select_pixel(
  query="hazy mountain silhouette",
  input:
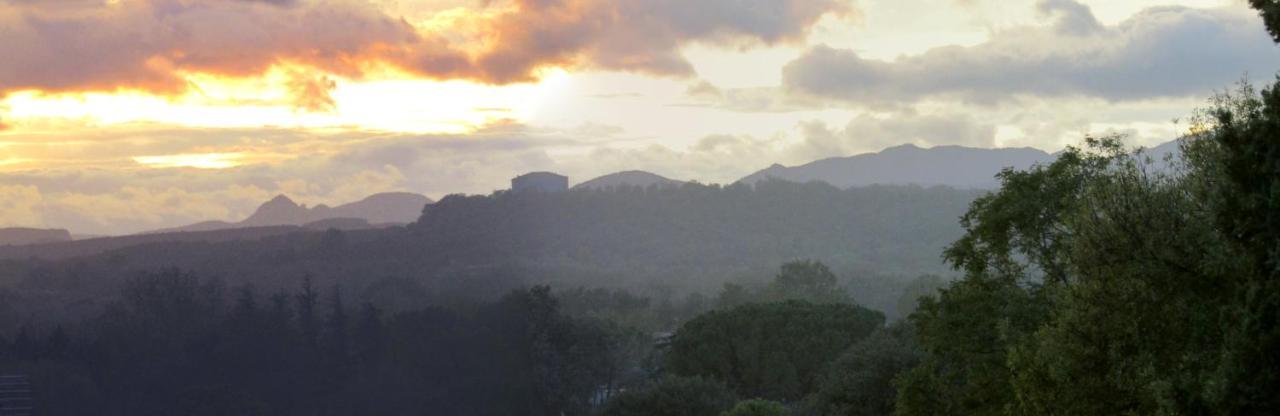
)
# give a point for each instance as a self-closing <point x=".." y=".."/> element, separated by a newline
<point x="280" y="211"/>
<point x="25" y="236"/>
<point x="379" y="209"/>
<point x="627" y="178"/>
<point x="1160" y="152"/>
<point x="955" y="166"/>
<point x="383" y="208"/>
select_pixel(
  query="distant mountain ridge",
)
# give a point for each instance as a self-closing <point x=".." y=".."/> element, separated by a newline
<point x="954" y="166"/>
<point x="27" y="236"/>
<point x="628" y="178"/>
<point x="375" y="210"/>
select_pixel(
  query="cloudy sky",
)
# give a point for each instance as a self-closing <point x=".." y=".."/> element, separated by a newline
<point x="118" y="116"/>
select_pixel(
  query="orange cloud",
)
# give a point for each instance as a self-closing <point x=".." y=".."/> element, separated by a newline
<point x="311" y="92"/>
<point x="149" y="45"/>
<point x="635" y="35"/>
<point x="154" y="45"/>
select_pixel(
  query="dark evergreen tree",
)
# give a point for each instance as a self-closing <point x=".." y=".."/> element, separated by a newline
<point x="306" y="300"/>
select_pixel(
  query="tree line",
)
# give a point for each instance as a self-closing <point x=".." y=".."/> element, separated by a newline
<point x="177" y="344"/>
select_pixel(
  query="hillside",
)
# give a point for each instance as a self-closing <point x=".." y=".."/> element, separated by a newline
<point x="637" y="178"/>
<point x="25" y="236"/>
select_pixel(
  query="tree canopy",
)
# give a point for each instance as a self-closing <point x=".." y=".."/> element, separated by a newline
<point x="773" y="351"/>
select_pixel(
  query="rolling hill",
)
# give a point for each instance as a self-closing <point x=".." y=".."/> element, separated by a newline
<point x="627" y="178"/>
<point x="25" y="236"/>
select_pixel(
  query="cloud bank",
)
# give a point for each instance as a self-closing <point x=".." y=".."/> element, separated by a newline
<point x="154" y="45"/>
<point x="1159" y="52"/>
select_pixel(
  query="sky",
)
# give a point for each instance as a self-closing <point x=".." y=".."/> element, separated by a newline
<point x="119" y="116"/>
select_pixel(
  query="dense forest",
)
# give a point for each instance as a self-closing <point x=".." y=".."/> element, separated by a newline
<point x="1102" y="282"/>
<point x="177" y="344"/>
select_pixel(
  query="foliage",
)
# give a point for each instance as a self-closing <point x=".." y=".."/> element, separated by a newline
<point x="774" y="351"/>
<point x="1270" y="12"/>
<point x="860" y="381"/>
<point x="757" y="407"/>
<point x="1012" y="250"/>
<point x="673" y="396"/>
<point x="1108" y="284"/>
<point x="1242" y="150"/>
<point x="175" y="345"/>
<point x="922" y="286"/>
<point x="805" y="280"/>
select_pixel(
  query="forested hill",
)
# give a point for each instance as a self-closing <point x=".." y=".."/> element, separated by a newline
<point x="690" y="238"/>
<point x="701" y="228"/>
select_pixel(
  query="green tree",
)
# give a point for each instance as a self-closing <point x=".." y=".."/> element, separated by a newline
<point x="1241" y="145"/>
<point x="673" y="396"/>
<point x="924" y="285"/>
<point x="774" y="351"/>
<point x="370" y="336"/>
<point x="1137" y="330"/>
<point x="806" y="280"/>
<point x="757" y="407"/>
<point x="306" y="301"/>
<point x="1013" y="252"/>
<point x="336" y="345"/>
<point x="1270" y="12"/>
<point x="733" y="294"/>
<point x="1245" y="132"/>
<point x="861" y="381"/>
<point x="1102" y="284"/>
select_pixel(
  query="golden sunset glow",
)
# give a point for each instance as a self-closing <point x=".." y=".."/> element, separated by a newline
<point x="396" y="105"/>
<point x="111" y="110"/>
<point x="200" y="161"/>
<point x="10" y="161"/>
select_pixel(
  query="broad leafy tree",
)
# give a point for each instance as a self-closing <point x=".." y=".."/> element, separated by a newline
<point x="775" y="351"/>
<point x="860" y="382"/>
<point x="673" y="396"/>
<point x="757" y="407"/>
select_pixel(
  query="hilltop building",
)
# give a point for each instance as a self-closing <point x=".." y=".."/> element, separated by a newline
<point x="540" y="182"/>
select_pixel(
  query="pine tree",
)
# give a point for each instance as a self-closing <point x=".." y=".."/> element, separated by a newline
<point x="306" y="301"/>
<point x="369" y="342"/>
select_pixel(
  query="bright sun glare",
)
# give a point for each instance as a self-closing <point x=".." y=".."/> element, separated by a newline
<point x="391" y="104"/>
